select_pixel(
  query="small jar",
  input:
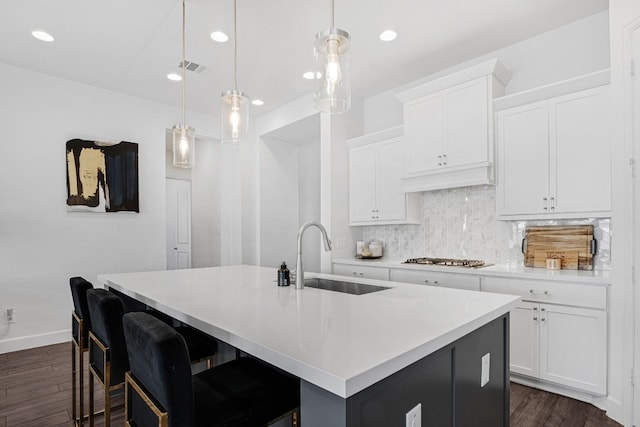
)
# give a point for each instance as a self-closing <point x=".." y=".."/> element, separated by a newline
<point x="376" y="249"/>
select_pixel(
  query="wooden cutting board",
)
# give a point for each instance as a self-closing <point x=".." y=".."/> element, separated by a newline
<point x="565" y="241"/>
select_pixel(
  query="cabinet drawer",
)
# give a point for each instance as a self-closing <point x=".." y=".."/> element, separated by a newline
<point x="368" y="272"/>
<point x="547" y="291"/>
<point x="449" y="280"/>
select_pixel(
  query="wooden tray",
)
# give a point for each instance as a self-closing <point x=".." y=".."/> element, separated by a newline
<point x="565" y="241"/>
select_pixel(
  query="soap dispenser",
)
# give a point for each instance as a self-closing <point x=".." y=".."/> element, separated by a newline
<point x="283" y="275"/>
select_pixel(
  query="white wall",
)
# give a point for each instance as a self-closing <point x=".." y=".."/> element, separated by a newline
<point x="42" y="244"/>
<point x="578" y="48"/>
<point x="309" y="201"/>
<point x="206" y="207"/>
<point x="278" y="203"/>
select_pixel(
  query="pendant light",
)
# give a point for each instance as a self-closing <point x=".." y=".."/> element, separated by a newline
<point x="333" y="86"/>
<point x="184" y="141"/>
<point x="235" y="106"/>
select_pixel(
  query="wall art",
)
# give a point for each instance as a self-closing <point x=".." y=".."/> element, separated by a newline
<point x="102" y="177"/>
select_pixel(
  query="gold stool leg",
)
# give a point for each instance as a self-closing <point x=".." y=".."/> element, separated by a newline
<point x="73" y="382"/>
<point x="107" y="406"/>
<point x="81" y="384"/>
<point x="91" y="415"/>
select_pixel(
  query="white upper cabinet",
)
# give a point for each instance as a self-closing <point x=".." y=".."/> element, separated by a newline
<point x="449" y="128"/>
<point x="523" y="165"/>
<point x="376" y="166"/>
<point x="554" y="155"/>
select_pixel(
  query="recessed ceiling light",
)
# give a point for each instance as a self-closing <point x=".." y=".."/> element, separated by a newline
<point x="219" y="36"/>
<point x="42" y="35"/>
<point x="175" y="77"/>
<point x="257" y="102"/>
<point x="309" y="75"/>
<point x="388" y="35"/>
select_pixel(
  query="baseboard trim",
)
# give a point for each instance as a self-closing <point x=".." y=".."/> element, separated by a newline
<point x="32" y="341"/>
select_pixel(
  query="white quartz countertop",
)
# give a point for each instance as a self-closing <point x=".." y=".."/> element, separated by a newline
<point x="342" y="343"/>
<point x="595" y="277"/>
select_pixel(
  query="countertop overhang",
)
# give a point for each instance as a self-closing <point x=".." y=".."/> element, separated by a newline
<point x="342" y="343"/>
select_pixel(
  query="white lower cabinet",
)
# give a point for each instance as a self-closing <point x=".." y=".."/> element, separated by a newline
<point x="563" y="344"/>
<point x="447" y="280"/>
<point x="365" y="272"/>
<point x="524" y="339"/>
<point x="573" y="347"/>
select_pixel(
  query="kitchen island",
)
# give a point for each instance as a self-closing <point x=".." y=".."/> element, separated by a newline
<point x="362" y="359"/>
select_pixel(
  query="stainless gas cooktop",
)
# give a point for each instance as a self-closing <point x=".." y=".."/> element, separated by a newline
<point x="470" y="263"/>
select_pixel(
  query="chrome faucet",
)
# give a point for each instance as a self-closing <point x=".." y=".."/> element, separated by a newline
<point x="327" y="248"/>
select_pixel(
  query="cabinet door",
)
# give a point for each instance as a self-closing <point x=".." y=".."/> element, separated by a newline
<point x="389" y="172"/>
<point x="580" y="175"/>
<point x="466" y="116"/>
<point x="424" y="130"/>
<point x="524" y="339"/>
<point x="523" y="153"/>
<point x="573" y="347"/>
<point x="362" y="185"/>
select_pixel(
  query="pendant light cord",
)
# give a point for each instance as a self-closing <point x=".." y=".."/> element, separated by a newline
<point x="183" y="61"/>
<point x="235" y="45"/>
<point x="332" y="15"/>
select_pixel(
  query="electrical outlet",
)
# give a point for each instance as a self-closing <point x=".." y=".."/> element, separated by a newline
<point x="486" y="364"/>
<point x="414" y="416"/>
<point x="10" y="315"/>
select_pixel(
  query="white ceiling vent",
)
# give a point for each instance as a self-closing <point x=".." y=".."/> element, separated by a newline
<point x="192" y="66"/>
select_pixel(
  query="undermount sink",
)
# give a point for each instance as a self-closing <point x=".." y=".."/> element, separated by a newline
<point x="342" y="286"/>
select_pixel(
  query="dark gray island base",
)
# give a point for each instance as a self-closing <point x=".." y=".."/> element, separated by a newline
<point x="446" y="383"/>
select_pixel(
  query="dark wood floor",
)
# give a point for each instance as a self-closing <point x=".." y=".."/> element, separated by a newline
<point x="35" y="391"/>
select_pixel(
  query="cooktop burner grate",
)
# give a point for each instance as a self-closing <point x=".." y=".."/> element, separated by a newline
<point x="446" y="262"/>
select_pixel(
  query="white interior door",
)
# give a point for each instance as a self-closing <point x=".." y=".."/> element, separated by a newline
<point x="178" y="224"/>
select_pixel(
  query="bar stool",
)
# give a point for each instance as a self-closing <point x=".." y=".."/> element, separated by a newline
<point x="108" y="360"/>
<point x="160" y="390"/>
<point x="80" y="327"/>
<point x="201" y="347"/>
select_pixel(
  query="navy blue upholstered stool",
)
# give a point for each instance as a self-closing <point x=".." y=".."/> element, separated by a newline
<point x="108" y="360"/>
<point x="160" y="390"/>
<point x="201" y="346"/>
<point x="80" y="327"/>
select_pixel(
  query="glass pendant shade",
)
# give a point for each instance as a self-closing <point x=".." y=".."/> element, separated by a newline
<point x="235" y="116"/>
<point x="184" y="144"/>
<point x="333" y="68"/>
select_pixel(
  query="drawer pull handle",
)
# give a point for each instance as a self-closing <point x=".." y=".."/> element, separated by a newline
<point x="362" y="274"/>
<point x="531" y="291"/>
<point x="426" y="281"/>
<point x="435" y="282"/>
<point x="535" y="308"/>
<point x="535" y="318"/>
<point x="542" y="319"/>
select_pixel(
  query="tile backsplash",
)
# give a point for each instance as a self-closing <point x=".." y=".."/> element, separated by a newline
<point x="461" y="223"/>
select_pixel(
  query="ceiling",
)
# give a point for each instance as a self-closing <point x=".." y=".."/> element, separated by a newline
<point x="131" y="45"/>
